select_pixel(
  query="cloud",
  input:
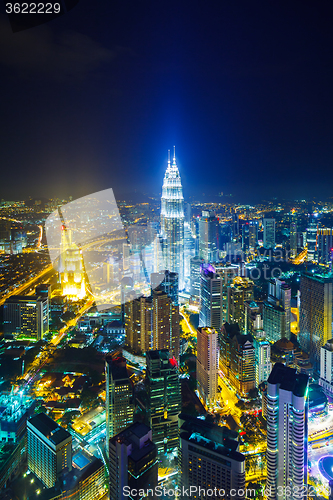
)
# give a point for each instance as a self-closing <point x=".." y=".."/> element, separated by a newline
<point x="41" y="52"/>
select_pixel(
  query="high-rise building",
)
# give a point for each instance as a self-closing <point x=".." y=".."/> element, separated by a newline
<point x="71" y="268"/>
<point x="293" y="240"/>
<point x="119" y="397"/>
<point x="246" y="237"/>
<point x="164" y="399"/>
<point x="172" y="221"/>
<point x="207" y="364"/>
<point x="15" y="410"/>
<point x="276" y="311"/>
<point x="138" y="324"/>
<point x="209" y="231"/>
<point x="253" y="320"/>
<point x="214" y="282"/>
<point x="315" y="320"/>
<point x="209" y="458"/>
<point x="165" y="330"/>
<point x="239" y="292"/>
<point x="253" y="234"/>
<point x="325" y="246"/>
<point x="168" y="282"/>
<point x="49" y="449"/>
<point x="269" y="233"/>
<point x="133" y="461"/>
<point x="195" y="267"/>
<point x="26" y="316"/>
<point x="242" y="373"/>
<point x="311" y="239"/>
<point x="326" y="366"/>
<point x="189" y="252"/>
<point x="262" y="356"/>
<point x="287" y="424"/>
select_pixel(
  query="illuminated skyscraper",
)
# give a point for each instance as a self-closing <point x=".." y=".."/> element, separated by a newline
<point x="293" y="240"/>
<point x="119" y="397"/>
<point x="239" y="292"/>
<point x="311" y="239"/>
<point x="26" y="316"/>
<point x="164" y="399"/>
<point x="71" y="267"/>
<point x="172" y="221"/>
<point x="287" y="428"/>
<point x="269" y="233"/>
<point x="207" y="364"/>
<point x="315" y="319"/>
<point x="276" y="311"/>
<point x="209" y="236"/>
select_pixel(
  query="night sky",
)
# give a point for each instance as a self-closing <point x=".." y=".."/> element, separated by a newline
<point x="94" y="99"/>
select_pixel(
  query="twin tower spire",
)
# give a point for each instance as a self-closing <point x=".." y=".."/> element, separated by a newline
<point x="174" y="156"/>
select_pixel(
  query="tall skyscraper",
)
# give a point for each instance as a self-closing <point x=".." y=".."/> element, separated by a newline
<point x="165" y="330"/>
<point x="133" y="461"/>
<point x="119" y="397"/>
<point x="293" y="240"/>
<point x="168" y="282"/>
<point x="311" y="239"/>
<point x="325" y="246"/>
<point x="315" y="320"/>
<point x="195" y="266"/>
<point x="287" y="425"/>
<point x="138" y="324"/>
<point x="239" y="292"/>
<point x="164" y="399"/>
<point x="262" y="355"/>
<point x="71" y="268"/>
<point x="209" y="232"/>
<point x="326" y="366"/>
<point x="242" y="373"/>
<point x="214" y="282"/>
<point x="209" y="458"/>
<point x="172" y="221"/>
<point x="276" y="310"/>
<point x="26" y="316"/>
<point x="207" y="364"/>
<point x="253" y="234"/>
<point x="49" y="449"/>
<point x="269" y="232"/>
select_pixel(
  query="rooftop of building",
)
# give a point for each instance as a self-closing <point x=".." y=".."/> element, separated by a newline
<point x="14" y="406"/>
<point x="118" y="368"/>
<point x="289" y="379"/>
<point x="321" y="277"/>
<point x="219" y="440"/>
<point x="132" y="435"/>
<point x="49" y="428"/>
<point x="284" y="345"/>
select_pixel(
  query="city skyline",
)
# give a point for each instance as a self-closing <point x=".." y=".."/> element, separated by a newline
<point x="243" y="91"/>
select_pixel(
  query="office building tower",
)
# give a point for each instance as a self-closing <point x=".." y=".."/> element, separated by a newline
<point x="26" y="317"/>
<point x="168" y="282"/>
<point x="214" y="282"/>
<point x="172" y="221"/>
<point x="209" y="230"/>
<point x="269" y="233"/>
<point x="133" y="461"/>
<point x="195" y="266"/>
<point x="239" y="292"/>
<point x="311" y="239"/>
<point x="119" y="397"/>
<point x="315" y="320"/>
<point x="86" y="479"/>
<point x="242" y="373"/>
<point x="326" y="366"/>
<point x="253" y="320"/>
<point x="207" y="364"/>
<point x="164" y="399"/>
<point x="209" y="458"/>
<point x="246" y="237"/>
<point x="227" y="333"/>
<point x="253" y="234"/>
<point x="138" y="324"/>
<point x="293" y="240"/>
<point x="276" y="311"/>
<point x="189" y="252"/>
<point x="49" y="449"/>
<point x="287" y="424"/>
<point x="71" y="269"/>
<point x="325" y="246"/>
<point x="165" y="329"/>
<point x="235" y="225"/>
<point x="262" y="356"/>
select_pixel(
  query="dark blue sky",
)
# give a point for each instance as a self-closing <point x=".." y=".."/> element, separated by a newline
<point x="243" y="88"/>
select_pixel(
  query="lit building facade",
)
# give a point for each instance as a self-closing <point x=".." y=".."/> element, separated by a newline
<point x="276" y="311"/>
<point x="269" y="233"/>
<point x="325" y="246"/>
<point x="26" y="317"/>
<point x="326" y="366"/>
<point x="172" y="221"/>
<point x="239" y="292"/>
<point x="119" y="397"/>
<point x="209" y="458"/>
<point x="49" y="449"/>
<point x="133" y="461"/>
<point x="209" y="231"/>
<point x="164" y="399"/>
<point x="195" y="267"/>
<point x="71" y="268"/>
<point x="165" y="329"/>
<point x="138" y="324"/>
<point x="242" y="373"/>
<point x="207" y="364"/>
<point x="262" y="356"/>
<point x="315" y="314"/>
<point x="287" y="428"/>
<point x="293" y="240"/>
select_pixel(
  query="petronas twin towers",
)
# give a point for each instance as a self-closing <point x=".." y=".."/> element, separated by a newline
<point x="172" y="220"/>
